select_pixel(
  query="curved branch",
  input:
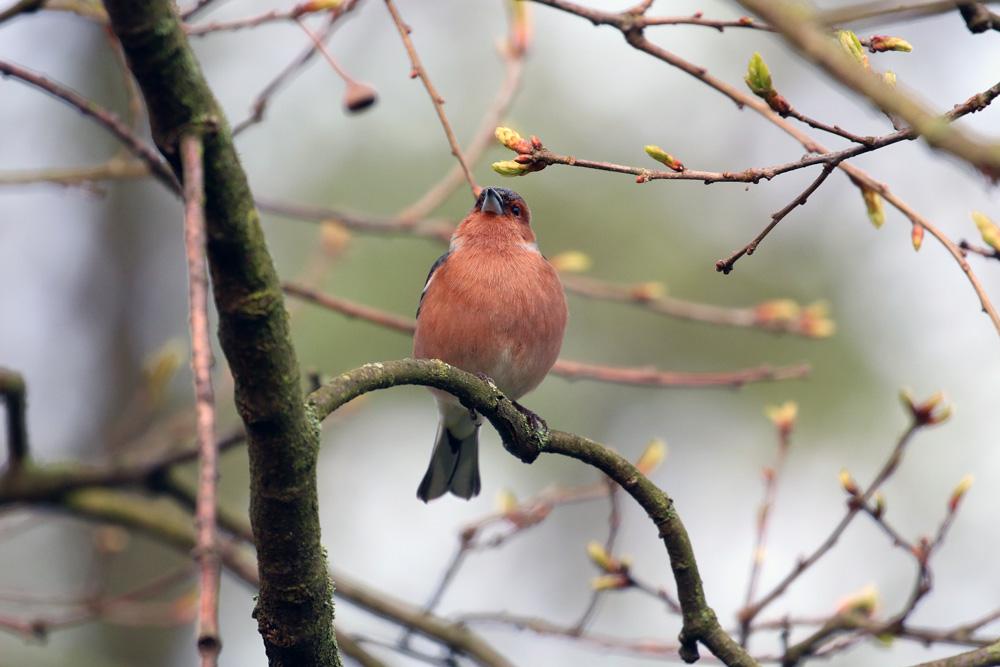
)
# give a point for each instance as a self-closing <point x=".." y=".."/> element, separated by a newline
<point x="526" y="439"/>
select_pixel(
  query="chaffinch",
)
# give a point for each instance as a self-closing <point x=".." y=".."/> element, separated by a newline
<point x="492" y="305"/>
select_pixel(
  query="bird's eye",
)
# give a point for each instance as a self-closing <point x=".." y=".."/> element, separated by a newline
<point x="516" y="210"/>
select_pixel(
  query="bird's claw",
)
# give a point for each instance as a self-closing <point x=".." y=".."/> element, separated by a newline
<point x="536" y="422"/>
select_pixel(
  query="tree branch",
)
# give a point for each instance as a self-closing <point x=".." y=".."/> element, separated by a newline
<point x="805" y="34"/>
<point x="207" y="550"/>
<point x="12" y="392"/>
<point x="526" y="439"/>
<point x="294" y="608"/>
<point x="110" y="121"/>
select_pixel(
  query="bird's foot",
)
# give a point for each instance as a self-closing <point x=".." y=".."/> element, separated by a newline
<point x="536" y="422"/>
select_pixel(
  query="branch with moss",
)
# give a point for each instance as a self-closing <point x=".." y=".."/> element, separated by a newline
<point x="294" y="609"/>
<point x="527" y="439"/>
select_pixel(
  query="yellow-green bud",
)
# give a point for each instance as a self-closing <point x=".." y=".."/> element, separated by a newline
<point x="884" y="43"/>
<point x="758" y="76"/>
<point x="652" y="456"/>
<point x="510" y="168"/>
<point x="987" y="229"/>
<point x="852" y="45"/>
<point x="666" y="158"/>
<point x="876" y="209"/>
<point x="513" y="140"/>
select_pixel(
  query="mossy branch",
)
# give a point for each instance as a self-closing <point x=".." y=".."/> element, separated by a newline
<point x="295" y="606"/>
<point x="527" y="439"/>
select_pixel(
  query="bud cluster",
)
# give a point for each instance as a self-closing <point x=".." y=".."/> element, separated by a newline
<point x="525" y="161"/>
<point x="616" y="570"/>
<point x="812" y="320"/>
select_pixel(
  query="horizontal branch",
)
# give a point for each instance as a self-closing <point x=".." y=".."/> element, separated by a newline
<point x="648" y="376"/>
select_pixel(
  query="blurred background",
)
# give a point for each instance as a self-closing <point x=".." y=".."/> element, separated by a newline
<point x="93" y="284"/>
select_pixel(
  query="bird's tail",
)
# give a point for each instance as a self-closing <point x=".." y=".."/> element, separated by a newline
<point x="454" y="463"/>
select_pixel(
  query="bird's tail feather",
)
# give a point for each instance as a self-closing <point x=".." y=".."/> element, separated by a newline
<point x="454" y="466"/>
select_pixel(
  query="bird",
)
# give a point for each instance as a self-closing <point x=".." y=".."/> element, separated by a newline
<point x="492" y="306"/>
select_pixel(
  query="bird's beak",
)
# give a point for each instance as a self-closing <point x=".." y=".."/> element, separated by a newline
<point x="491" y="201"/>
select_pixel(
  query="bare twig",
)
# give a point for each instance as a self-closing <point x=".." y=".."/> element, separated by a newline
<point x="832" y="129"/>
<point x="726" y="265"/>
<point x="436" y="99"/>
<point x="481" y="140"/>
<point x="892" y="462"/>
<point x="113" y="170"/>
<point x="207" y="550"/>
<point x="877" y="9"/>
<point x="771" y="477"/>
<point x="649" y="376"/>
<point x="240" y="24"/>
<point x="260" y="102"/>
<point x="398" y="323"/>
<point x="650" y="648"/>
<point x="107" y="119"/>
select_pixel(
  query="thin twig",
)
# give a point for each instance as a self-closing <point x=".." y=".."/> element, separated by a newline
<point x="832" y="129"/>
<point x="726" y="265"/>
<point x="110" y="121"/>
<point x="648" y="648"/>
<point x="263" y="98"/>
<point x="614" y="524"/>
<point x="114" y="170"/>
<point x="207" y="550"/>
<point x="240" y="24"/>
<point x="325" y="52"/>
<point x="481" y="140"/>
<point x="630" y="26"/>
<point x="771" y="477"/>
<point x="892" y="462"/>
<point x="879" y="9"/>
<point x="436" y="99"/>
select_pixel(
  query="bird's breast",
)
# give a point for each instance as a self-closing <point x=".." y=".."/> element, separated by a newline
<point x="498" y="313"/>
